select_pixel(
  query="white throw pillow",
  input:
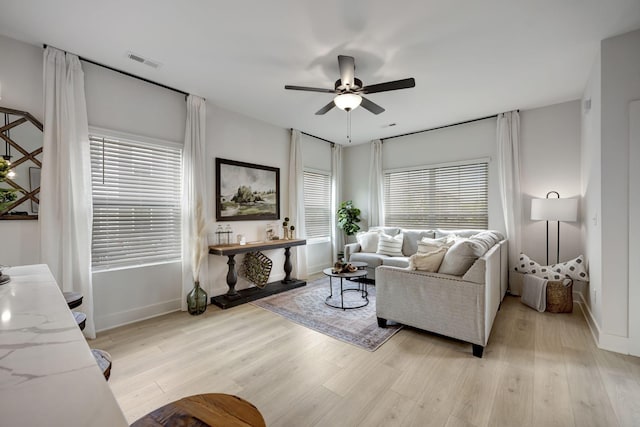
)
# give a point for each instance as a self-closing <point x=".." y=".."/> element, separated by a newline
<point x="388" y="245"/>
<point x="426" y="244"/>
<point x="461" y="256"/>
<point x="574" y="269"/>
<point x="368" y="241"/>
<point x="429" y="261"/>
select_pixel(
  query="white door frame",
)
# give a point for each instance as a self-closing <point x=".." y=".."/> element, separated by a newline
<point x="634" y="228"/>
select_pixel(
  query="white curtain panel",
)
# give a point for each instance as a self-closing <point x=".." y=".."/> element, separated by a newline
<point x="336" y="198"/>
<point x="509" y="174"/>
<point x="376" y="190"/>
<point x="66" y="209"/>
<point x="296" y="204"/>
<point x="194" y="206"/>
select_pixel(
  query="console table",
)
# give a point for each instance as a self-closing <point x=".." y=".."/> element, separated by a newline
<point x="233" y="297"/>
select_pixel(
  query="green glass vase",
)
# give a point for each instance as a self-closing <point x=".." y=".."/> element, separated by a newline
<point x="197" y="300"/>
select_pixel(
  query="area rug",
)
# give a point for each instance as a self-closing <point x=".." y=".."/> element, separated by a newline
<point x="306" y="306"/>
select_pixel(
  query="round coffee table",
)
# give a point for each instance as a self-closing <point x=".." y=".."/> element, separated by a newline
<point x="362" y="288"/>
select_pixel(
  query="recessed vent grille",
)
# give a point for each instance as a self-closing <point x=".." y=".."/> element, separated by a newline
<point x="142" y="60"/>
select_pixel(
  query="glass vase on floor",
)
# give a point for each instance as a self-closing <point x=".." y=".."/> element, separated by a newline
<point x="197" y="300"/>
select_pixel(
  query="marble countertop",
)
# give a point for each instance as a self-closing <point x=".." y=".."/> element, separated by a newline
<point x="48" y="375"/>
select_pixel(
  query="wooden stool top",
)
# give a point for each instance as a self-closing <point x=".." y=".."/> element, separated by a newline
<point x="81" y="319"/>
<point x="74" y="299"/>
<point x="201" y="410"/>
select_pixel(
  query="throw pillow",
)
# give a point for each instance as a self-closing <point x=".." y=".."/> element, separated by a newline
<point x="429" y="261"/>
<point x="388" y="245"/>
<point x="368" y="241"/>
<point x="426" y="244"/>
<point x="460" y="257"/>
<point x="574" y="269"/>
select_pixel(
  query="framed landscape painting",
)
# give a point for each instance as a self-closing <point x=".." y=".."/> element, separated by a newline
<point x="246" y="191"/>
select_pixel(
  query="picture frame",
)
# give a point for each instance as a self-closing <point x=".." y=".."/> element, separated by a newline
<point x="246" y="191"/>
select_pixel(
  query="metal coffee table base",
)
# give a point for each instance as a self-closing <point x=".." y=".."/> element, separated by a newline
<point x="362" y="289"/>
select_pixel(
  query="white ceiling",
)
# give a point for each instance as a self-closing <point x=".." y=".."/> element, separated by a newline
<point x="470" y="58"/>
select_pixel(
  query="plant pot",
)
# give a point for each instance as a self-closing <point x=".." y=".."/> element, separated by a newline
<point x="197" y="300"/>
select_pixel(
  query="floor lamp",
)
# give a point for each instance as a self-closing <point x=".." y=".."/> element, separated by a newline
<point x="554" y="209"/>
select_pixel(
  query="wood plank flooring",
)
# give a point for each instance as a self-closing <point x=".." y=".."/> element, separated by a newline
<point x="539" y="369"/>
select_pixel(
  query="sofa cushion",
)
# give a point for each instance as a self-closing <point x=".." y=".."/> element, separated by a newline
<point x="390" y="231"/>
<point x="368" y="240"/>
<point x="388" y="245"/>
<point x="396" y="261"/>
<point x="429" y="261"/>
<point x="466" y="232"/>
<point x="486" y="239"/>
<point x="461" y="256"/>
<point x="411" y="239"/>
<point x="372" y="259"/>
<point x="426" y="244"/>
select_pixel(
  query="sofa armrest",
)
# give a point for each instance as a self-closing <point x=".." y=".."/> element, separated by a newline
<point x="350" y="248"/>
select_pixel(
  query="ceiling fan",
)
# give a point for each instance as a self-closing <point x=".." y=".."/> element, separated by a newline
<point x="349" y="89"/>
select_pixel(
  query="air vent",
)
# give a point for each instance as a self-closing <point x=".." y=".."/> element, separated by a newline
<point x="142" y="60"/>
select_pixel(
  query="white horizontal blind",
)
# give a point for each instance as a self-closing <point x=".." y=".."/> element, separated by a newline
<point x="439" y="197"/>
<point x="317" y="204"/>
<point x="136" y="203"/>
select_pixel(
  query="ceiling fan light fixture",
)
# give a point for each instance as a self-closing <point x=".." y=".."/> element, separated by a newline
<point x="347" y="101"/>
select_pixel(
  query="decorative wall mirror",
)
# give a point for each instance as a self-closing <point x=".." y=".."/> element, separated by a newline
<point x="21" y="160"/>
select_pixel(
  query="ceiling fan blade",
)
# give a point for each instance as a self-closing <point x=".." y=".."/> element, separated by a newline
<point x="347" y="70"/>
<point x="310" y="89"/>
<point x="394" y="85"/>
<point x="371" y="106"/>
<point x="326" y="108"/>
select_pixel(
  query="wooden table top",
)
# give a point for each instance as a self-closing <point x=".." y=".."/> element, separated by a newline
<point x="201" y="410"/>
<point x="234" y="248"/>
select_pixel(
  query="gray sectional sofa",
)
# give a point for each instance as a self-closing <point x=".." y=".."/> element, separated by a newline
<point x="459" y="306"/>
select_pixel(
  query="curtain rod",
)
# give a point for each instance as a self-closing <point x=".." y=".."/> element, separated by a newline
<point x="127" y="74"/>
<point x="317" y="137"/>
<point x="441" y="127"/>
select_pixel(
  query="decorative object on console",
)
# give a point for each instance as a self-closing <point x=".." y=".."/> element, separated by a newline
<point x="285" y="228"/>
<point x="246" y="191"/>
<point x="554" y="209"/>
<point x="256" y="267"/>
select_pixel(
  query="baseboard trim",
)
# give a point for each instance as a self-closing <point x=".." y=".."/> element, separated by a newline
<point x="603" y="340"/>
<point x="121" y="318"/>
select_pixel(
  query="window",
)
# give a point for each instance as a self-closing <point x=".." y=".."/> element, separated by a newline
<point x="317" y="204"/>
<point x="449" y="196"/>
<point x="136" y="203"/>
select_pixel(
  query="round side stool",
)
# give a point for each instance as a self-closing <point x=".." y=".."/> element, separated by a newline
<point x="74" y="299"/>
<point x="104" y="361"/>
<point x="212" y="409"/>
<point x="81" y="319"/>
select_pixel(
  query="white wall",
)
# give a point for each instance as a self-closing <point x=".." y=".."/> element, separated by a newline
<point x="591" y="183"/>
<point x="550" y="161"/>
<point x="21" y="79"/>
<point x="620" y="85"/>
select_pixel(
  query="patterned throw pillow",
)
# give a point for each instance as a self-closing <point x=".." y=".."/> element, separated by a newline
<point x="391" y="246"/>
<point x="574" y="269"/>
<point x="368" y="240"/>
<point x="427" y="261"/>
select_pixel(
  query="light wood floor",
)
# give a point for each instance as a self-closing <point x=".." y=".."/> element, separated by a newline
<point x="539" y="369"/>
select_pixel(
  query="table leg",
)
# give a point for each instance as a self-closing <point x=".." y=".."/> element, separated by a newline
<point x="232" y="277"/>
<point x="288" y="267"/>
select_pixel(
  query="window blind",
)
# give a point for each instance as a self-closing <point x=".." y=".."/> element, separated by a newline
<point x="317" y="204"/>
<point x="439" y="197"/>
<point x="136" y="203"/>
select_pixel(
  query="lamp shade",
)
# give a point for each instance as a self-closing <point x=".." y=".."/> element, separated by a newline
<point x="347" y="101"/>
<point x="554" y="210"/>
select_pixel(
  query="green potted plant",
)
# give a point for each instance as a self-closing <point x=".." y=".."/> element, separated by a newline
<point x="348" y="217"/>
